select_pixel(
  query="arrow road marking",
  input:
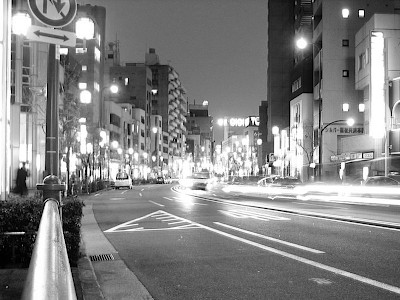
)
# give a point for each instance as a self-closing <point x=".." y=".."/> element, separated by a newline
<point x="159" y="220"/>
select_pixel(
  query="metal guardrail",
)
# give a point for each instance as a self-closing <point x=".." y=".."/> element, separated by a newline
<point x="49" y="275"/>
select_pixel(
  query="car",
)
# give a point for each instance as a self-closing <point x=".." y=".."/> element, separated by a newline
<point x="198" y="180"/>
<point x="266" y="181"/>
<point x="160" y="180"/>
<point x="286" y="182"/>
<point x="379" y="181"/>
<point x="123" y="180"/>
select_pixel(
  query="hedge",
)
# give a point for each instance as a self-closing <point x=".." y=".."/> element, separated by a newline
<point x="23" y="215"/>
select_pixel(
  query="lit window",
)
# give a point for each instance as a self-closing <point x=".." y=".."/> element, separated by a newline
<point x="361" y="107"/>
<point x="126" y="80"/>
<point x="63" y="51"/>
<point x="97" y="54"/>
<point x="82" y="85"/>
<point x="361" y="13"/>
<point x="346" y="107"/>
<point x="84" y="68"/>
<point x="96" y="86"/>
<point x="80" y="50"/>
<point x="345" y="73"/>
<point x="345" y="13"/>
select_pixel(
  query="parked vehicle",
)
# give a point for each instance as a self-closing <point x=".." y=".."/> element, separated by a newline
<point x="123" y="180"/>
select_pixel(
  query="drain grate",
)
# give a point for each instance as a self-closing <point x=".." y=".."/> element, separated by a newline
<point x="101" y="257"/>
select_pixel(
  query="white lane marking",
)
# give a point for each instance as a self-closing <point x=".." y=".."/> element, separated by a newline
<point x="244" y="214"/>
<point x="98" y="194"/>
<point x="271" y="239"/>
<point x="318" y="265"/>
<point x="157" y="203"/>
<point x="161" y="225"/>
<point x="177" y="222"/>
<point x="116" y="199"/>
<point x="123" y="192"/>
<point x="168" y="198"/>
<point x="185" y="201"/>
<point x="313" y="204"/>
<point x="142" y="190"/>
<point x="140" y="194"/>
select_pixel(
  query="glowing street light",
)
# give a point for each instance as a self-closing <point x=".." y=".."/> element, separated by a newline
<point x="84" y="28"/>
<point x="20" y="23"/>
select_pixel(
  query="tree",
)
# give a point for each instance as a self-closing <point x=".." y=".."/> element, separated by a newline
<point x="69" y="111"/>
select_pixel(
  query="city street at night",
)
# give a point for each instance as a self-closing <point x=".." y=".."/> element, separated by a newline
<point x="188" y="247"/>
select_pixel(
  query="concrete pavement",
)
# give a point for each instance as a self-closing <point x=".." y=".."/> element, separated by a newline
<point x="103" y="275"/>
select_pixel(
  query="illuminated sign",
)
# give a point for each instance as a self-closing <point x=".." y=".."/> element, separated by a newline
<point x="377" y="99"/>
<point x="239" y="122"/>
<point x="252" y="121"/>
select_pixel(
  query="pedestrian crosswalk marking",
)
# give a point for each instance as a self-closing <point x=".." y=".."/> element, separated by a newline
<point x="245" y="214"/>
<point x="159" y="220"/>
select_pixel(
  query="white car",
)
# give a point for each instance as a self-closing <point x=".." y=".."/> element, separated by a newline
<point x="123" y="180"/>
<point x="199" y="180"/>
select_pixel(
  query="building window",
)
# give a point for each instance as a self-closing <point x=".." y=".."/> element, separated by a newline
<point x="80" y="50"/>
<point x="345" y="43"/>
<point x="361" y="61"/>
<point x="361" y="13"/>
<point x="115" y="120"/>
<point x="345" y="13"/>
<point x="142" y="146"/>
<point x="96" y="86"/>
<point x="97" y="54"/>
<point x="142" y="133"/>
<point x="82" y="85"/>
<point x="296" y="84"/>
<point x="345" y="73"/>
<point x="110" y="55"/>
<point x="142" y="119"/>
<point x="126" y="81"/>
<point x="84" y="68"/>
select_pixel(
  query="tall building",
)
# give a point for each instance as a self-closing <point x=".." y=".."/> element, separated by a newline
<point x="319" y="113"/>
<point x="169" y="101"/>
<point x="279" y="66"/>
<point x="200" y="136"/>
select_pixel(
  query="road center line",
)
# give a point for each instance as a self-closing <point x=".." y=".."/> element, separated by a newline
<point x="271" y="239"/>
<point x="156" y="203"/>
<point x="318" y="265"/>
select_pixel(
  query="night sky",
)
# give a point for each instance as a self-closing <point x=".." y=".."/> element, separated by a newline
<point x="218" y="47"/>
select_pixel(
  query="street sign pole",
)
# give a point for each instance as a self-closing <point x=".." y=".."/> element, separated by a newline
<point x="52" y="151"/>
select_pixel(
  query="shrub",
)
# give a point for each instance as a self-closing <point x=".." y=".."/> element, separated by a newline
<point x="23" y="215"/>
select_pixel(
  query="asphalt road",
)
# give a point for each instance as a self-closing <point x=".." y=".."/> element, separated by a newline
<point x="185" y="247"/>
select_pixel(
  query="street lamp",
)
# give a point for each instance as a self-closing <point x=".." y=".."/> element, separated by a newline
<point x="20" y="23"/>
<point x="302" y="43"/>
<point x="349" y="122"/>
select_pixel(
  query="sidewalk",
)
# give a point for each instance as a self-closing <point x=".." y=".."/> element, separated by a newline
<point x="100" y="274"/>
<point x="103" y="275"/>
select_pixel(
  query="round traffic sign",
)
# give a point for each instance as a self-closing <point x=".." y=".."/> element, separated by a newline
<point x="53" y="13"/>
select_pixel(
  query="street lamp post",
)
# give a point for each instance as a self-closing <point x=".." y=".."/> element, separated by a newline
<point x="302" y="44"/>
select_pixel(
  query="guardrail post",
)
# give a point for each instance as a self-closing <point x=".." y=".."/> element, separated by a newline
<point x="51" y="187"/>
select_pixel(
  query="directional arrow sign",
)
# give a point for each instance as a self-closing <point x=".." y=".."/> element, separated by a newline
<point x="51" y="36"/>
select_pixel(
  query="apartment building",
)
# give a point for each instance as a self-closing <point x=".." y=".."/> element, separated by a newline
<point x="330" y="29"/>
